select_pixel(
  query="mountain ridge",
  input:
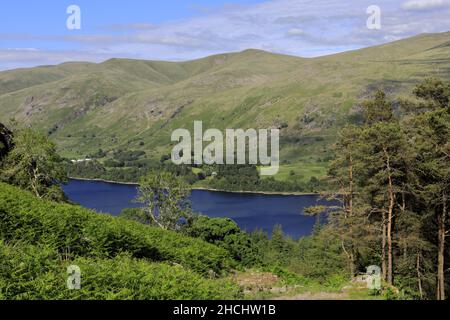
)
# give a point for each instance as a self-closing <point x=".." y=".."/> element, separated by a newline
<point x="136" y="104"/>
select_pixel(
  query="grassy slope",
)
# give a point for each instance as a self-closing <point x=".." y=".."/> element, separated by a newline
<point x="121" y="103"/>
<point x="86" y="233"/>
<point x="119" y="259"/>
<point x="38" y="272"/>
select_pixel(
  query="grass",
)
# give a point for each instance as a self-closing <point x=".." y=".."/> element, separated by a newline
<point x="303" y="171"/>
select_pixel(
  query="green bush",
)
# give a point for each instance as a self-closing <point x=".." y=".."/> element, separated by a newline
<point x="320" y="257"/>
<point x="288" y="277"/>
<point x="81" y="232"/>
<point x="38" y="272"/>
<point x="225" y="233"/>
<point x="336" y="281"/>
<point x="138" y="215"/>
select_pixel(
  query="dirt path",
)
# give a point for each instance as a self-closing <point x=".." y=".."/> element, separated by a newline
<point x="317" y="296"/>
<point x="266" y="285"/>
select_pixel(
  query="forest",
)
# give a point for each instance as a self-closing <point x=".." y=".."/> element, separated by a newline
<point x="392" y="176"/>
<point x="217" y="177"/>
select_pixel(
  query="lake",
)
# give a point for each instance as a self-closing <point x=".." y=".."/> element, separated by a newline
<point x="250" y="211"/>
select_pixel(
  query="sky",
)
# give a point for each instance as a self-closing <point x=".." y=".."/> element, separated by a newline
<point x="35" y="32"/>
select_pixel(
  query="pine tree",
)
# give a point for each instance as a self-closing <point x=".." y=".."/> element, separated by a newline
<point x="346" y="220"/>
<point x="384" y="157"/>
<point x="430" y="130"/>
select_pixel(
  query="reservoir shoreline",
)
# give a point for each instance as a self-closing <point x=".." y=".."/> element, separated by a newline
<point x="251" y="211"/>
<point x="274" y="193"/>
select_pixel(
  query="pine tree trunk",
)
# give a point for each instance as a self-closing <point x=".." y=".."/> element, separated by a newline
<point x="350" y="258"/>
<point x="350" y="191"/>
<point x="352" y="265"/>
<point x="389" y="240"/>
<point x="383" y="247"/>
<point x="419" y="275"/>
<point x="441" y="250"/>
<point x="350" y="213"/>
<point x="389" y="219"/>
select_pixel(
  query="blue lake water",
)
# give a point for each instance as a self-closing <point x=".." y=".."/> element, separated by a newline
<point x="250" y="211"/>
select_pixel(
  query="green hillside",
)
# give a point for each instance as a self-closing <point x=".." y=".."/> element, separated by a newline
<point x="120" y="259"/>
<point x="135" y="105"/>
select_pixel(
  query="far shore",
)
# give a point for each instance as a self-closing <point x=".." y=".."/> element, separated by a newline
<point x="104" y="180"/>
<point x="275" y="193"/>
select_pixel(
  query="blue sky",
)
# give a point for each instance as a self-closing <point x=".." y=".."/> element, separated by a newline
<point x="34" y="32"/>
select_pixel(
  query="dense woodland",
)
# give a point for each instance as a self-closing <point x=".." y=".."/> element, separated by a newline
<point x="390" y="175"/>
<point x="218" y="177"/>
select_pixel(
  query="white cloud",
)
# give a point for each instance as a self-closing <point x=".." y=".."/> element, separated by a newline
<point x="130" y="26"/>
<point x="12" y="58"/>
<point x="425" y="4"/>
<point x="296" y="32"/>
<point x="297" y="27"/>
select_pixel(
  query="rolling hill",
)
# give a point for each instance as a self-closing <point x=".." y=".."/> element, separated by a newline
<point x="135" y="105"/>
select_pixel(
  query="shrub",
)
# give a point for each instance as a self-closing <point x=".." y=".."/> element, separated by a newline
<point x="81" y="232"/>
<point x="336" y="281"/>
<point x="138" y="215"/>
<point x="37" y="272"/>
<point x="288" y="277"/>
<point x="225" y="233"/>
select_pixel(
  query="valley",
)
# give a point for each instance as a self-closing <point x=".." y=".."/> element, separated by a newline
<point x="118" y="106"/>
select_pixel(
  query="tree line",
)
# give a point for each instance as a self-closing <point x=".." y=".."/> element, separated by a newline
<point x="391" y="176"/>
